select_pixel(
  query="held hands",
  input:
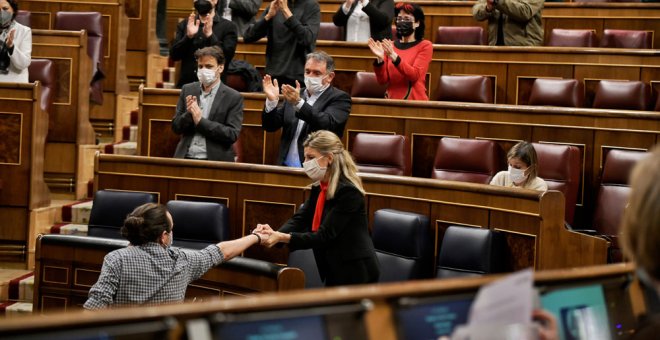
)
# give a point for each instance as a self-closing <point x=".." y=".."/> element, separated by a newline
<point x="193" y="108"/>
<point x="376" y="48"/>
<point x="291" y="94"/>
<point x="193" y="26"/>
<point x="271" y="88"/>
<point x="268" y="236"/>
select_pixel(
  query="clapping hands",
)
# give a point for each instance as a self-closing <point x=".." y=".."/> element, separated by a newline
<point x="208" y="24"/>
<point x="388" y="48"/>
<point x="194" y="109"/>
<point x="291" y="94"/>
<point x="377" y="49"/>
<point x="382" y="48"/>
<point x="193" y="26"/>
<point x="278" y="6"/>
<point x="271" y="88"/>
<point x="10" y="38"/>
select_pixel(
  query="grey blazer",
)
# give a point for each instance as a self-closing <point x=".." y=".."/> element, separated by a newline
<point x="221" y="129"/>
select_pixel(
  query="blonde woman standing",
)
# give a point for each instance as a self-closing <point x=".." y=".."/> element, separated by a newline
<point x="333" y="221"/>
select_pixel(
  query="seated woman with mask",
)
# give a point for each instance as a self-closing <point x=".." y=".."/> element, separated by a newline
<point x="523" y="169"/>
<point x="333" y="221"/>
<point x="15" y="45"/>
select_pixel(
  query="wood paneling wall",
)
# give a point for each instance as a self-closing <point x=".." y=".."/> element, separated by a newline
<point x="23" y="128"/>
<point x="379" y="319"/>
<point x="69" y="125"/>
<point x="594" y="132"/>
<point x="115" y="35"/>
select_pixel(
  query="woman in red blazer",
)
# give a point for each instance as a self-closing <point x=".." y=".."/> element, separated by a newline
<point x="403" y="64"/>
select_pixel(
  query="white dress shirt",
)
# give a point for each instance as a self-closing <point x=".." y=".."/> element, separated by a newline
<point x="292" y="158"/>
<point x="357" y="27"/>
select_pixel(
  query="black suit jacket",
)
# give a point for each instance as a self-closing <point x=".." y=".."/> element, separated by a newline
<point x="342" y="245"/>
<point x="329" y="112"/>
<point x="183" y="48"/>
<point x="380" y="12"/>
<point x="221" y="129"/>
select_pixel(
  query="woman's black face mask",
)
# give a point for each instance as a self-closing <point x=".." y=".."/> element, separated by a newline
<point x="404" y="28"/>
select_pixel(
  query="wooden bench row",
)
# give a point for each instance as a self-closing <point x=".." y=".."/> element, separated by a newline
<point x="532" y="221"/>
<point x="597" y="16"/>
<point x="594" y="132"/>
<point x="513" y="69"/>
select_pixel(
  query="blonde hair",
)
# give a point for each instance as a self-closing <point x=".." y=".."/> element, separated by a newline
<point x="326" y="142"/>
<point x="526" y="153"/>
<point x="641" y="220"/>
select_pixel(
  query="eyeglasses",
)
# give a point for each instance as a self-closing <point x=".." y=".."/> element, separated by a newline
<point x="405" y="19"/>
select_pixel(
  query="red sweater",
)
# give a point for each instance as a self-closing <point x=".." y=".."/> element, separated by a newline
<point x="407" y="80"/>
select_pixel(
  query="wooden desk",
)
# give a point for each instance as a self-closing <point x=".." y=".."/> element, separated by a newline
<point x="379" y="320"/>
<point x="594" y="132"/>
<point x="67" y="266"/>
<point x="23" y="128"/>
<point x="532" y="221"/>
<point x="512" y="68"/>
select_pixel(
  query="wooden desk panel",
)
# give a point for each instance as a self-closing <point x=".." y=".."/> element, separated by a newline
<point x="69" y="116"/>
<point x="23" y="128"/>
<point x="532" y="221"/>
<point x="378" y="320"/>
<point x="509" y="66"/>
<point x="69" y="125"/>
<point x="594" y="132"/>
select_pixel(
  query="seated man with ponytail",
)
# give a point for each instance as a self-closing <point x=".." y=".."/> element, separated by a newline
<point x="150" y="271"/>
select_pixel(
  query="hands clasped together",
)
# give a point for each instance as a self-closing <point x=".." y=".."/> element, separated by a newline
<point x="272" y="90"/>
<point x="269" y="237"/>
<point x="382" y="48"/>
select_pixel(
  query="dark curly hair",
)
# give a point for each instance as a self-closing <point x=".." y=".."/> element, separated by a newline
<point x="416" y="11"/>
<point x="145" y="224"/>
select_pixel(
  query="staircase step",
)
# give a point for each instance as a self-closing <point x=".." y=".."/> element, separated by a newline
<point x="18" y="309"/>
<point x="6" y="278"/>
